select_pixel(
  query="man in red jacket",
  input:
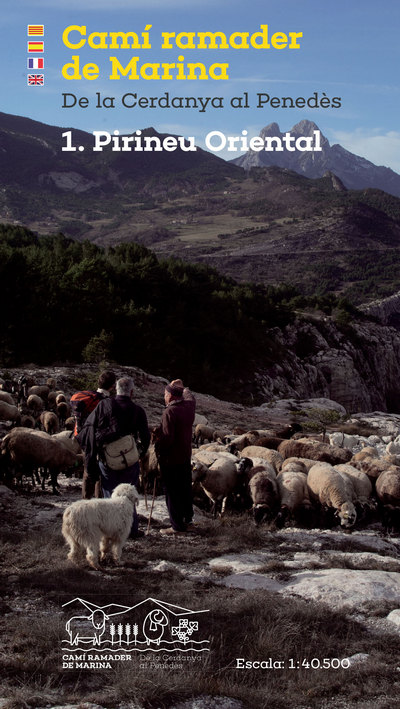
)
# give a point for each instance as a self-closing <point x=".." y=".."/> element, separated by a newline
<point x="174" y="448"/>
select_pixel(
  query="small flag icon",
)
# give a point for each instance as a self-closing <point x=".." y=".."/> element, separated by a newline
<point x="35" y="47"/>
<point x="35" y="63"/>
<point x="35" y="79"/>
<point x="35" y="30"/>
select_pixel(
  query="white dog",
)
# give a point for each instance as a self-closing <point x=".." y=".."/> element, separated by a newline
<point x="98" y="524"/>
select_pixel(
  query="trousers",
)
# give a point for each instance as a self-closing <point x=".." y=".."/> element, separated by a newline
<point x="111" y="478"/>
<point x="177" y="481"/>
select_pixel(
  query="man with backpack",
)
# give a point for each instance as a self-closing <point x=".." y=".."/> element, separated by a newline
<point x="82" y="405"/>
<point x="114" y="436"/>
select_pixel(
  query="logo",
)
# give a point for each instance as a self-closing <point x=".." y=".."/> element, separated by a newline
<point x="35" y="79"/>
<point x="35" y="47"/>
<point x="116" y="632"/>
<point x="35" y="30"/>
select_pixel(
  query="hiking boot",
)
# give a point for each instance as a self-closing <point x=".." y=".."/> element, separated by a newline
<point x="170" y="531"/>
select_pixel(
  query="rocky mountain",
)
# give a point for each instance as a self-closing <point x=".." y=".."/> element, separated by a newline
<point x="357" y="366"/>
<point x="354" y="171"/>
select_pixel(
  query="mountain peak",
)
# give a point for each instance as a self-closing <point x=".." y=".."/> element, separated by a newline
<point x="271" y="130"/>
<point x="306" y="128"/>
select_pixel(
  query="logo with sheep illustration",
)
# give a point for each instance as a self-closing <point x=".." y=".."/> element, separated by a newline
<point x="150" y="625"/>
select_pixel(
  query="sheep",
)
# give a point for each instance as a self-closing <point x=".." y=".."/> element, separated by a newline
<point x="27" y="421"/>
<point x="267" y="454"/>
<point x="296" y="465"/>
<point x="214" y="447"/>
<point x="264" y="493"/>
<point x="35" y="404"/>
<point x="270" y="442"/>
<point x="9" y="412"/>
<point x="373" y="467"/>
<point x="295" y="498"/>
<point x="5" y="396"/>
<point x="63" y="411"/>
<point x="307" y="448"/>
<point x="388" y="487"/>
<point x="360" y="481"/>
<point x="222" y="478"/>
<point x="365" y="505"/>
<point x="51" y="383"/>
<point x="245" y="439"/>
<point x="37" y="390"/>
<point x="208" y="456"/>
<point x="220" y="435"/>
<point x="51" y="400"/>
<point x="49" y="422"/>
<point x="150" y="475"/>
<point x="60" y="397"/>
<point x="344" y="440"/>
<point x="388" y="492"/>
<point x="68" y="440"/>
<point x="28" y="448"/>
<point x="203" y="433"/>
<point x="334" y="491"/>
<point x="69" y="423"/>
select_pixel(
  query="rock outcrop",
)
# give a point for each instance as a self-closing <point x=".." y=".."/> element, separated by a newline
<point x="358" y="367"/>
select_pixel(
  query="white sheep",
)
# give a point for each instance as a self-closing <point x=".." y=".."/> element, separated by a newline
<point x="209" y="457"/>
<point x="267" y="454"/>
<point x="344" y="440"/>
<point x="361" y="483"/>
<point x="334" y="491"/>
<point x="295" y="498"/>
<point x="222" y="478"/>
<point x="214" y="448"/>
<point x="296" y="464"/>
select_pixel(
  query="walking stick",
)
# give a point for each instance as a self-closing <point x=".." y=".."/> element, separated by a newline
<point x="144" y="483"/>
<point x="152" y="505"/>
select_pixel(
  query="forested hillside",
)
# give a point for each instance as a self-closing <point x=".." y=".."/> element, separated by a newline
<point x="65" y="300"/>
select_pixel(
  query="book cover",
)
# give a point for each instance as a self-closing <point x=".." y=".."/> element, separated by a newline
<point x="137" y="122"/>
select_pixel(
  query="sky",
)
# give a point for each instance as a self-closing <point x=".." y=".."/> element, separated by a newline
<point x="349" y="50"/>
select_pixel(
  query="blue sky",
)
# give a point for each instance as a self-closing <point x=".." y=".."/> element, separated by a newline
<point x="349" y="49"/>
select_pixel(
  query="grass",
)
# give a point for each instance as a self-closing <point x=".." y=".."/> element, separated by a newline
<point x="254" y="625"/>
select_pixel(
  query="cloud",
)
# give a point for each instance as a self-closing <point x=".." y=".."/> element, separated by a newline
<point x="379" y="147"/>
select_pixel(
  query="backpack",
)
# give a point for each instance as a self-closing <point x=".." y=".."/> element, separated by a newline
<point x="82" y="404"/>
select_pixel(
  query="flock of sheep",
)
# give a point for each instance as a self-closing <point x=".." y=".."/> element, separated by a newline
<point x="299" y="480"/>
<point x="282" y="476"/>
<point x="40" y="442"/>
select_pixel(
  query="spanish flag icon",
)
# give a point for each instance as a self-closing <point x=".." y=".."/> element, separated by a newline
<point x="35" y="47"/>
